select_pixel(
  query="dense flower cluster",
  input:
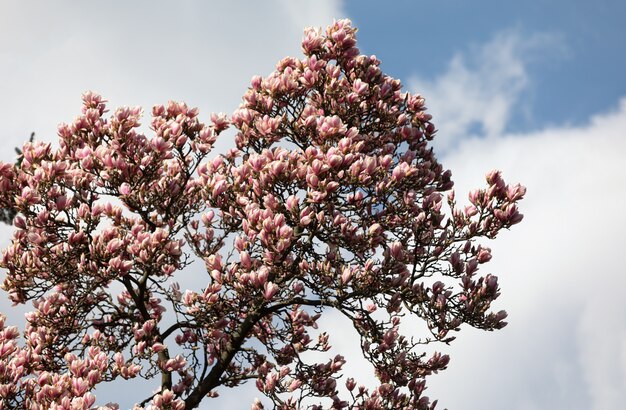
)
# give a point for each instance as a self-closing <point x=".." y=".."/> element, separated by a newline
<point x="331" y="200"/>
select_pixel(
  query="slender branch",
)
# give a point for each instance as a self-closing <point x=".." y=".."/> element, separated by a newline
<point x="212" y="380"/>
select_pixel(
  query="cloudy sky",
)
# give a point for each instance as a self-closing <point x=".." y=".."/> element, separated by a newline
<point x="535" y="88"/>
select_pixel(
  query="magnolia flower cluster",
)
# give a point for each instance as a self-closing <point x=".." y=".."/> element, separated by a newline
<point x="332" y="200"/>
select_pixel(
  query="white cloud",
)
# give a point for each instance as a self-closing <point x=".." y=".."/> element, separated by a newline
<point x="560" y="270"/>
<point x="481" y="88"/>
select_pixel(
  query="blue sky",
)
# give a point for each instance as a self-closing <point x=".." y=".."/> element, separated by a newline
<point x="580" y="72"/>
<point x="536" y="89"/>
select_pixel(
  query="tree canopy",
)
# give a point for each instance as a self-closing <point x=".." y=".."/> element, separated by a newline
<point x="332" y="200"/>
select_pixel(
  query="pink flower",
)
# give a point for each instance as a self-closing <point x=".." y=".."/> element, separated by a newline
<point x="124" y="189"/>
<point x="375" y="229"/>
<point x="270" y="290"/>
<point x="346" y="275"/>
<point x="360" y="87"/>
<point x="219" y="188"/>
<point x="395" y="250"/>
<point x="484" y="255"/>
<point x="79" y="386"/>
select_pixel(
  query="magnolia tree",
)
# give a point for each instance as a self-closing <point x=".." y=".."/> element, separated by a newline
<point x="332" y="201"/>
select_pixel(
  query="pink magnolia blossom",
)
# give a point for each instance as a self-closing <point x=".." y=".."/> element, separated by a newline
<point x="332" y="200"/>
